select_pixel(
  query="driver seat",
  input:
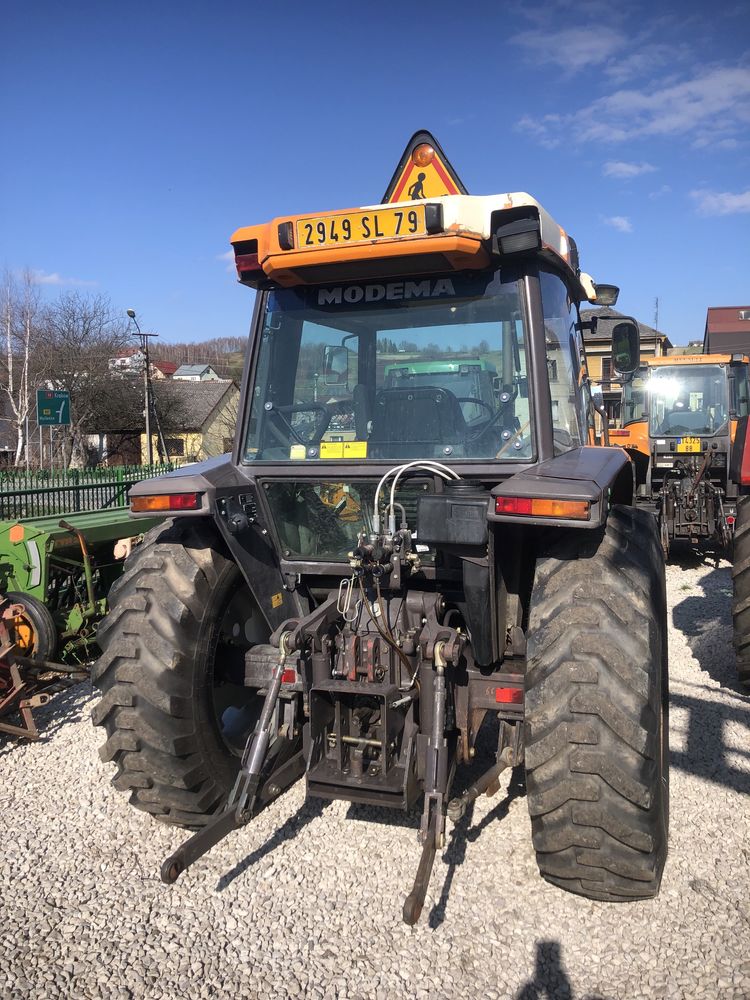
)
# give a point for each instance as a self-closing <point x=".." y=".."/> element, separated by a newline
<point x="415" y="422"/>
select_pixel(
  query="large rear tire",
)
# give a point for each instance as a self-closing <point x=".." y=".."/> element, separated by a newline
<point x="596" y="710"/>
<point x="171" y="673"/>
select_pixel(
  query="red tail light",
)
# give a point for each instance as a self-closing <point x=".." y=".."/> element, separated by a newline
<point x="578" y="510"/>
<point x="247" y="263"/>
<point x="509" y="696"/>
<point x="246" y="258"/>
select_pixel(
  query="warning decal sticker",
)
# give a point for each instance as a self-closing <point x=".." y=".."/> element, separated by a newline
<point x="423" y="172"/>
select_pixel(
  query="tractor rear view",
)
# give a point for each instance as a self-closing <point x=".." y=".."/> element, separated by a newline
<point x="685" y="424"/>
<point x="411" y="539"/>
<point x="680" y="417"/>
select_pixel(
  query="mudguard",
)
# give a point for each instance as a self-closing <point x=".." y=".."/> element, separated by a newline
<point x="602" y="476"/>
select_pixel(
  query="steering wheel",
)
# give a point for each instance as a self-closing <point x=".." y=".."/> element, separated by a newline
<point x="479" y="402"/>
<point x="495" y="416"/>
<point x="320" y="427"/>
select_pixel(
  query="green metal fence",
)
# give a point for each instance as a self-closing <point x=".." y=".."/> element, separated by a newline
<point x="43" y="492"/>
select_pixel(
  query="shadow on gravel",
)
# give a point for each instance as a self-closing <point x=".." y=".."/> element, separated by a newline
<point x="67" y="706"/>
<point x="705" y="751"/>
<point x="464" y="833"/>
<point x="706" y="623"/>
<point x="311" y="809"/>
<point x="550" y="980"/>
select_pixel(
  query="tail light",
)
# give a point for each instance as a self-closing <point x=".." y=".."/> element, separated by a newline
<point x="246" y="258"/>
<point x="509" y="696"/>
<point x="165" y="502"/>
<point x="577" y="510"/>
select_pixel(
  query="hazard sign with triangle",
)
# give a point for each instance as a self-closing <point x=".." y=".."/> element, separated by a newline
<point x="423" y="172"/>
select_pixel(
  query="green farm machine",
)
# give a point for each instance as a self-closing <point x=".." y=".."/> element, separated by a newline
<point x="55" y="575"/>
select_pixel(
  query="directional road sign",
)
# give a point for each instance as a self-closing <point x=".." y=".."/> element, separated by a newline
<point x="52" y="407"/>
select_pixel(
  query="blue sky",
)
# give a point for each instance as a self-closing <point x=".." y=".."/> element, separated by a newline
<point x="137" y="137"/>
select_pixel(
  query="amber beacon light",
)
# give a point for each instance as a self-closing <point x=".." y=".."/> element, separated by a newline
<point x="423" y="155"/>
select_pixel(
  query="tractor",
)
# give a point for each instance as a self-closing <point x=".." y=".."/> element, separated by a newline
<point x="393" y="558"/>
<point x="685" y="425"/>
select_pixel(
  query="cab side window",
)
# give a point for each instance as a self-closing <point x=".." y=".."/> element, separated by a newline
<point x="564" y="363"/>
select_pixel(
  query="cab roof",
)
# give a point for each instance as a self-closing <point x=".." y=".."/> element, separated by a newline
<point x="427" y="223"/>
<point x="694" y="359"/>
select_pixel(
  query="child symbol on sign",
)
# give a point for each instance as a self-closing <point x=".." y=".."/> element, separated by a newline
<point x="417" y="188"/>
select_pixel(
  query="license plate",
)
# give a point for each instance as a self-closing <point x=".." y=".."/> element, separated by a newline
<point x="361" y="227"/>
<point x="689" y="444"/>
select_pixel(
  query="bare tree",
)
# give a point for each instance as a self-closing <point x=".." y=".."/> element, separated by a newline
<point x="81" y="333"/>
<point x="20" y="321"/>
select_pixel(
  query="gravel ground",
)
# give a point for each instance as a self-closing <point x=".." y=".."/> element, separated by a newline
<point x="306" y="901"/>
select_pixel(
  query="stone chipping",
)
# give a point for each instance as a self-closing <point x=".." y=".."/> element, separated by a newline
<point x="306" y="901"/>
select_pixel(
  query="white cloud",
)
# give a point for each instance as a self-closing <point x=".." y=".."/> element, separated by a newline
<point x="43" y="278"/>
<point x="660" y="192"/>
<point x="624" y="171"/>
<point x="643" y="61"/>
<point x="228" y="257"/>
<point x="570" y="48"/>
<point x="721" y="202"/>
<point x="619" y="222"/>
<point x="713" y="107"/>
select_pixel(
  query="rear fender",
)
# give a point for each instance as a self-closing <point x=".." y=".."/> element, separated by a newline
<point x="602" y="476"/>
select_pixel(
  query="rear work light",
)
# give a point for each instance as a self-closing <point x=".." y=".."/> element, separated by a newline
<point x="577" y="510"/>
<point x="166" y="501"/>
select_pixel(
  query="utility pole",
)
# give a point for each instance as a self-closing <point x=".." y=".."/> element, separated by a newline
<point x="144" y="338"/>
<point x="656" y="314"/>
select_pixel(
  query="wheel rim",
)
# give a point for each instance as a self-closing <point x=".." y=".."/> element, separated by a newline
<point x="236" y="708"/>
<point x="27" y="640"/>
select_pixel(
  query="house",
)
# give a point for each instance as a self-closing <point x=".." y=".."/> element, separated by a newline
<point x="599" y="353"/>
<point x="203" y="419"/>
<point x="196" y="373"/>
<point x="163" y="369"/>
<point x="129" y="360"/>
<point x="727" y="330"/>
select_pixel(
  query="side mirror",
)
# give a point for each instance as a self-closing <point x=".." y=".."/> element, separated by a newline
<point x="336" y="365"/>
<point x="626" y="347"/>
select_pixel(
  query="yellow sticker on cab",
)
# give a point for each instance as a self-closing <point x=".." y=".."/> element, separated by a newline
<point x="360" y="227"/>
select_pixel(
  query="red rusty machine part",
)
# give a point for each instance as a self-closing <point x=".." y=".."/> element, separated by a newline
<point x="25" y="684"/>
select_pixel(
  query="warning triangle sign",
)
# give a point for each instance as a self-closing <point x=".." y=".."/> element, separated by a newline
<point x="424" y="171"/>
